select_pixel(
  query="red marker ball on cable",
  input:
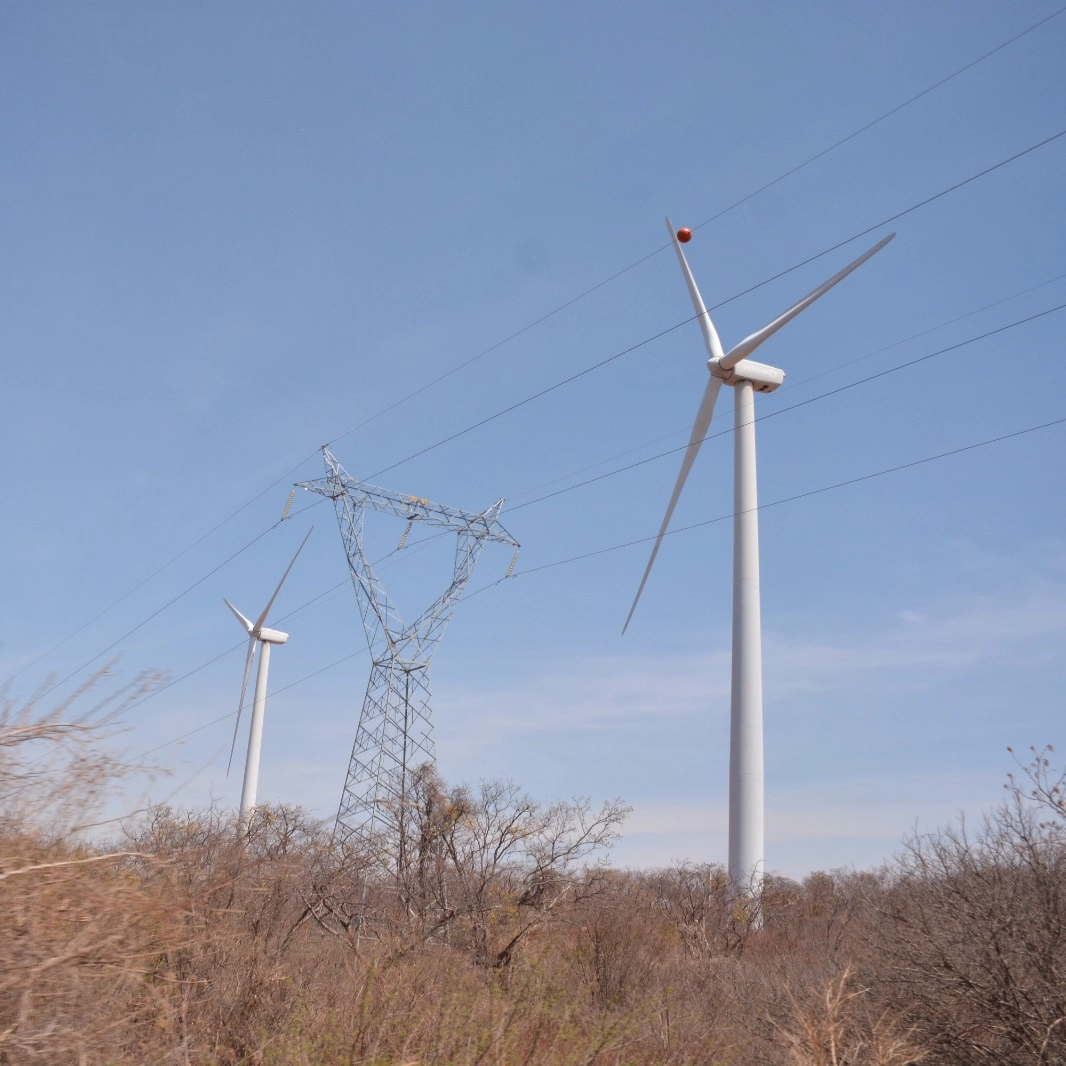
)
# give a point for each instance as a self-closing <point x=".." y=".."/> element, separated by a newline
<point x="684" y="235"/>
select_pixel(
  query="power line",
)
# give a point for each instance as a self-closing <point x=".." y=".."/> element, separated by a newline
<point x="536" y="396"/>
<point x="673" y="532"/>
<point x="788" y="386"/>
<point x="787" y="499"/>
<point x="736" y="296"/>
<point x="541" y="499"/>
<point x="410" y="547"/>
<point x="796" y="406"/>
<point x="155" y="614"/>
<point x="633" y="466"/>
<point x="236" y="647"/>
<point x="602" y="363"/>
<point x="724" y="211"/>
<point x="155" y="573"/>
<point x="413" y="546"/>
<point x="876" y="121"/>
<point x="550" y="314"/>
<point x="229" y="651"/>
<point x="923" y="333"/>
<point x="629" y="466"/>
<point x="211" y="662"/>
<point x="231" y="714"/>
<point x="184" y="736"/>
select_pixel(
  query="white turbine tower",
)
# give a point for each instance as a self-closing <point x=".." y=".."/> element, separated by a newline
<point x="264" y="637"/>
<point x="734" y="368"/>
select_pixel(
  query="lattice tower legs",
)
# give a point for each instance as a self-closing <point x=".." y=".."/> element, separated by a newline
<point x="394" y="739"/>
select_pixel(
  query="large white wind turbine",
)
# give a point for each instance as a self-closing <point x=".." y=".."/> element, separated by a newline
<point x="264" y="637"/>
<point x="746" y="733"/>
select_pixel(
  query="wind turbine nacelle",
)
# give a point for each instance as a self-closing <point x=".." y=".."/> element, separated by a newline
<point x="763" y="378"/>
<point x="272" y="636"/>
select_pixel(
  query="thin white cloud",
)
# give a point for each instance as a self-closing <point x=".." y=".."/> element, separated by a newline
<point x="853" y="822"/>
<point x="595" y="692"/>
<point x="917" y="646"/>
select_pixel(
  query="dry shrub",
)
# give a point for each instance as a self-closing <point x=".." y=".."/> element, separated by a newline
<point x="492" y="935"/>
<point x="973" y="931"/>
<point x="483" y="870"/>
<point x="240" y="965"/>
<point x="839" y="1029"/>
<point x="619" y="939"/>
<point x="79" y="928"/>
<point x="54" y="773"/>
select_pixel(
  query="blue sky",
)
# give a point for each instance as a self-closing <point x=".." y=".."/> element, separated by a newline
<point x="233" y="232"/>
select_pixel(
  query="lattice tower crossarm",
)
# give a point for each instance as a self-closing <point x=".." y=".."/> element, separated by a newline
<point x="395" y="733"/>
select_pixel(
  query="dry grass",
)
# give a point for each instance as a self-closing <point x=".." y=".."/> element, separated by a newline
<point x="195" y="941"/>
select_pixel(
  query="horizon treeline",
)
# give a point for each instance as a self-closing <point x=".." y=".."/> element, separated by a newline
<point x="488" y="929"/>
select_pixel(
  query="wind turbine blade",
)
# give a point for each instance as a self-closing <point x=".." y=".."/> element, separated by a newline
<point x="240" y="706"/>
<point x="248" y="627"/>
<point x="266" y="610"/>
<point x="749" y="344"/>
<point x="710" y="336"/>
<point x="699" y="433"/>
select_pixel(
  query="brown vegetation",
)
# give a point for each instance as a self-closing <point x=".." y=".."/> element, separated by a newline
<point x="492" y="934"/>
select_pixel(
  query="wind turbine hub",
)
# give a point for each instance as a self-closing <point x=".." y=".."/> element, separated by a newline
<point x="764" y="378"/>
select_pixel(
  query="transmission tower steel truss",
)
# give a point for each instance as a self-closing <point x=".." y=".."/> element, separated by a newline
<point x="395" y="733"/>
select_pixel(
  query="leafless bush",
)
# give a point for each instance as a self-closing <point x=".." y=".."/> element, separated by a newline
<point x="54" y="772"/>
<point x="484" y="869"/>
<point x="494" y="934"/>
<point x="619" y="940"/>
<point x="838" y="1029"/>
<point x="77" y="925"/>
<point x="698" y="901"/>
<point x="974" y="931"/>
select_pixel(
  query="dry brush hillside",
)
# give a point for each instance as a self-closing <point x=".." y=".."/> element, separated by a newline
<point x="490" y="932"/>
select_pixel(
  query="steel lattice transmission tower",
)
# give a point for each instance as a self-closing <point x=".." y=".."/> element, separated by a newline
<point x="395" y="734"/>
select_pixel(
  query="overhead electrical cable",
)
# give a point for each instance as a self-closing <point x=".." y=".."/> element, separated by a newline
<point x="788" y="499"/>
<point x="736" y="296"/>
<point x="184" y="736"/>
<point x="543" y="318"/>
<point x="550" y="314"/>
<point x="408" y="548"/>
<point x="231" y="714"/>
<point x="155" y="573"/>
<point x="784" y="388"/>
<point x="605" y="362"/>
<point x="795" y="406"/>
<point x="412" y="546"/>
<point x="588" y="481"/>
<point x="869" y="125"/>
<point x="236" y="647"/>
<point x="923" y="333"/>
<point x="229" y="651"/>
<point x="670" y="533"/>
<point x="158" y="611"/>
<point x="724" y="211"/>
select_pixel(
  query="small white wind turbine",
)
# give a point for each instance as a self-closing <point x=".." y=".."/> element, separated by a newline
<point x="746" y="825"/>
<point x="264" y="637"/>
